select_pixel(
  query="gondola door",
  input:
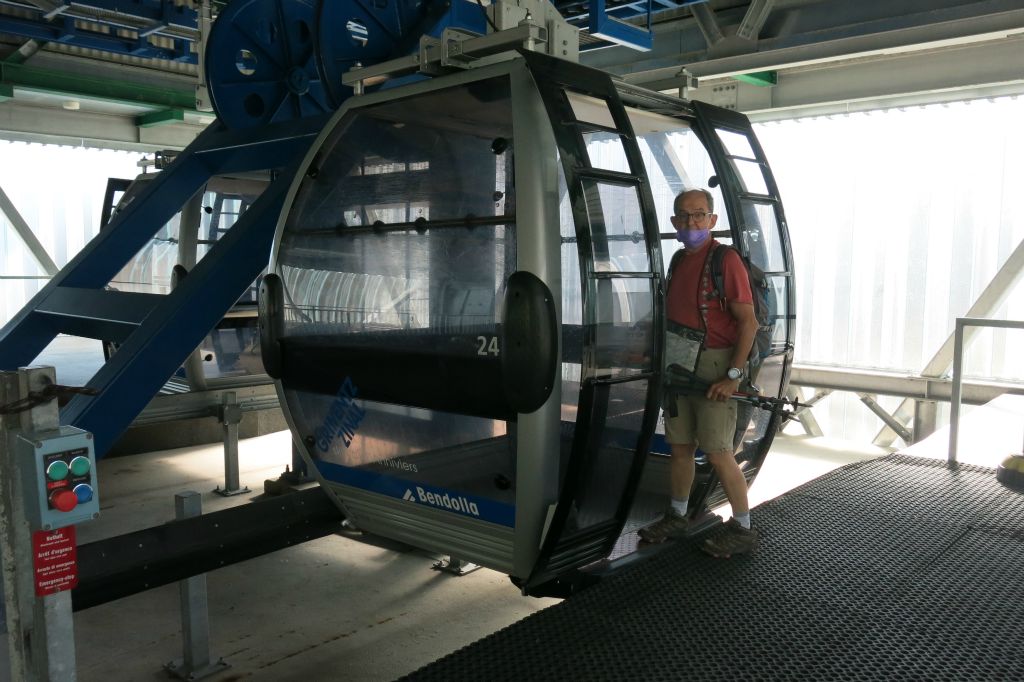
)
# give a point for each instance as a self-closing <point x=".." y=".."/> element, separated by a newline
<point x="760" y="234"/>
<point x="610" y="331"/>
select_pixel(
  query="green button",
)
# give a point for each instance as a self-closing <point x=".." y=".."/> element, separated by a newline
<point x="80" y="466"/>
<point x="57" y="471"/>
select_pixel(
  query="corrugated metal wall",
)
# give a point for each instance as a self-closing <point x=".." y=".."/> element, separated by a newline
<point x="899" y="219"/>
<point x="59" y="192"/>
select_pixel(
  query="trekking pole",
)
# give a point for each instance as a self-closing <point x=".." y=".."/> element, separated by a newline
<point x="696" y="386"/>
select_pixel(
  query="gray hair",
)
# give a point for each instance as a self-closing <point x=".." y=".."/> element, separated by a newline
<point x="706" y="193"/>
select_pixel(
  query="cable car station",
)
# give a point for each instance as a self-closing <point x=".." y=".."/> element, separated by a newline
<point x="372" y="371"/>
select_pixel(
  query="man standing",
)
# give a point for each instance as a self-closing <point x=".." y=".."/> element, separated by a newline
<point x="727" y="324"/>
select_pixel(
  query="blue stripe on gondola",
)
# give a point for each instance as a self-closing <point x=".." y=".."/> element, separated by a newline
<point x="473" y="506"/>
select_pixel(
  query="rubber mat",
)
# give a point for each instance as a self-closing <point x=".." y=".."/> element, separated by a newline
<point x="897" y="568"/>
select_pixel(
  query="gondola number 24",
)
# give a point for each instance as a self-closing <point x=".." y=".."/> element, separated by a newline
<point x="488" y="345"/>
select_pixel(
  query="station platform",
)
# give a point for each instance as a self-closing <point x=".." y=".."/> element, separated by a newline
<point x="894" y="568"/>
<point x="344" y="606"/>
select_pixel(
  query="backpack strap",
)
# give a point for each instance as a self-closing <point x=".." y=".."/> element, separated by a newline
<point x="706" y="274"/>
<point x="673" y="262"/>
<point x="717" y="271"/>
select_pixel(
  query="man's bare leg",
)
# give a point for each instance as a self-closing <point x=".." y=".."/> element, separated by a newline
<point x="738" y="538"/>
<point x="681" y="473"/>
<point x="682" y="470"/>
<point x="733" y="483"/>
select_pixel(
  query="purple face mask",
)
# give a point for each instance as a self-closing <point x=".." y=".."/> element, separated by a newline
<point x="692" y="239"/>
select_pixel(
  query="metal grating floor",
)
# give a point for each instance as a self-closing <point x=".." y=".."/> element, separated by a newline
<point x="896" y="568"/>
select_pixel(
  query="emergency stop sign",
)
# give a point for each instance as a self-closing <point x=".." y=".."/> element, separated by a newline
<point x="55" y="559"/>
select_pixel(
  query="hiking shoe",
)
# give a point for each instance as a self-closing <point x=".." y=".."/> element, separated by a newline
<point x="672" y="525"/>
<point x="734" y="539"/>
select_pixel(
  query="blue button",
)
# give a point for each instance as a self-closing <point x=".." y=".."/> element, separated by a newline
<point x="84" y="492"/>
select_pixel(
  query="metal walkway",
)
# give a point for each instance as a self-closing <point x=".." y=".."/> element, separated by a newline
<point x="896" y="568"/>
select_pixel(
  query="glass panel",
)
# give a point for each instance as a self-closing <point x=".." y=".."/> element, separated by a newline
<point x="769" y="376"/>
<point x="751" y="427"/>
<point x="675" y="160"/>
<point x="762" y="240"/>
<point x="619" y="414"/>
<point x="778" y="300"/>
<point x="149" y="271"/>
<point x="399" y="321"/>
<point x="220" y="214"/>
<point x="590" y="109"/>
<point x="606" y="151"/>
<point x="616" y="227"/>
<point x="751" y="176"/>
<point x="572" y="311"/>
<point x="736" y="144"/>
<point x="623" y="326"/>
<point x="233" y="348"/>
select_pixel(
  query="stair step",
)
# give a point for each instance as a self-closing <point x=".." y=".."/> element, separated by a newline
<point x="103" y="314"/>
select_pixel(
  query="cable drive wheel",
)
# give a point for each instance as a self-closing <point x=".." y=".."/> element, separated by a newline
<point x="261" y="65"/>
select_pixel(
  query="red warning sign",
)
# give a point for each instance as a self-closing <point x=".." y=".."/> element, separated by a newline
<point x="55" y="558"/>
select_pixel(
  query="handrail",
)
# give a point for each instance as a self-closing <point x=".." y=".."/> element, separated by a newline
<point x="958" y="360"/>
<point x="898" y="384"/>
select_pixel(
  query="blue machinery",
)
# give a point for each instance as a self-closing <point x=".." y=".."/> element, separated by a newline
<point x="165" y="29"/>
<point x="463" y="310"/>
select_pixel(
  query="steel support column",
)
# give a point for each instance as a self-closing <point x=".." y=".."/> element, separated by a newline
<point x="708" y="25"/>
<point x="25" y="232"/>
<point x="753" y="20"/>
<point x="993" y="296"/>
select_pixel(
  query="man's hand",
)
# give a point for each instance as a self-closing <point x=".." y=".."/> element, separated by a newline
<point x="723" y="390"/>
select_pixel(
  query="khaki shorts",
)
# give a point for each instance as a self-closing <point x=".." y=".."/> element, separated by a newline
<point x="710" y="424"/>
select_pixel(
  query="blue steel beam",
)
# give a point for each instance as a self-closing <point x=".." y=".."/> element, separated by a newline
<point x="155" y="17"/>
<point x="177" y="322"/>
<point x="65" y="32"/>
<point x="142" y="364"/>
<point x="28" y="332"/>
<point x="579" y="15"/>
<point x="616" y="31"/>
<point x="156" y="11"/>
<point x="144" y="17"/>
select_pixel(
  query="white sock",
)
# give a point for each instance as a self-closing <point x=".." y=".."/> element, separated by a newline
<point x="679" y="506"/>
<point x="743" y="519"/>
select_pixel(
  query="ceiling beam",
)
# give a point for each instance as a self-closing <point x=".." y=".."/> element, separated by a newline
<point x="159" y="118"/>
<point x="903" y="79"/>
<point x="77" y="85"/>
<point x="708" y="25"/>
<point x="808" y="33"/>
<point x="25" y="52"/>
<point x="27" y="123"/>
<point x="753" y="20"/>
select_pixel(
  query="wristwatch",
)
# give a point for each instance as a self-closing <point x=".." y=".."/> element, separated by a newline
<point x="735" y="373"/>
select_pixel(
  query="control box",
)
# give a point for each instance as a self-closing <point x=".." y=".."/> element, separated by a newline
<point x="58" y="477"/>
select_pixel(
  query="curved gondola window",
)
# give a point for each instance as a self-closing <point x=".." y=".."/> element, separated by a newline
<point x="394" y="263"/>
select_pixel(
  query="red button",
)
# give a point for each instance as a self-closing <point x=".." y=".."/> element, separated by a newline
<point x="64" y="500"/>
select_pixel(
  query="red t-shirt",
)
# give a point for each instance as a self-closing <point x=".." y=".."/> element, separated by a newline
<point x="683" y="298"/>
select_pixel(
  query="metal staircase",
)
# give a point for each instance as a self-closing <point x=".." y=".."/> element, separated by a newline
<point x="155" y="332"/>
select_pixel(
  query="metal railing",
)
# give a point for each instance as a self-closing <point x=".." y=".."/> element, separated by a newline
<point x="958" y="360"/>
<point x="925" y="391"/>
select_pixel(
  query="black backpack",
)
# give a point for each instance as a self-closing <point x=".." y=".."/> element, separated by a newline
<point x="763" y="298"/>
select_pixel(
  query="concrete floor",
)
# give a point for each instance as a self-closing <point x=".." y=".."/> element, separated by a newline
<point x="341" y="607"/>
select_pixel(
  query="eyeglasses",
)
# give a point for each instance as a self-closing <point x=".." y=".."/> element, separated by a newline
<point x="697" y="216"/>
